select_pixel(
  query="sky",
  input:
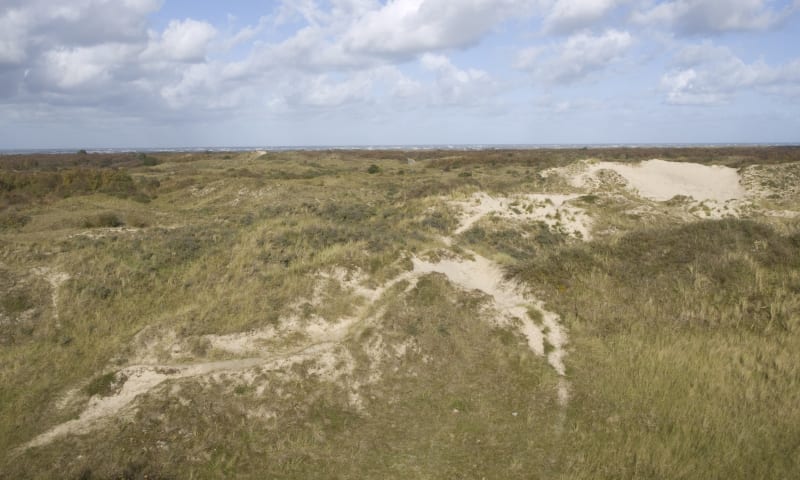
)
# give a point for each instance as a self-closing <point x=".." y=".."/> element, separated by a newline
<point x="183" y="73"/>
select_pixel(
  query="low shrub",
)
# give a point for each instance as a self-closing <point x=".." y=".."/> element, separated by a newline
<point x="102" y="220"/>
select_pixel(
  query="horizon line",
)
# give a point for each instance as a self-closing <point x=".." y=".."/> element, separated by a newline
<point x="442" y="146"/>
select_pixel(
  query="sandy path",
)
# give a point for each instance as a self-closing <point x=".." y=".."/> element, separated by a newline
<point x="478" y="273"/>
<point x="141" y="379"/>
<point x="55" y="279"/>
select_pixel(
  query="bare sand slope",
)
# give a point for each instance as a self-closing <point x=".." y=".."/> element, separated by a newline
<point x="551" y="209"/>
<point x="661" y="180"/>
<point x="483" y="275"/>
<point x="512" y="306"/>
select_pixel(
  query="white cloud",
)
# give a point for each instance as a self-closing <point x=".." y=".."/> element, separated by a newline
<point x="183" y="41"/>
<point x="322" y="92"/>
<point x="363" y="58"/>
<point x="377" y="87"/>
<point x="409" y="27"/>
<point x="581" y="55"/>
<point x="29" y="28"/>
<point x="527" y="57"/>
<point x="89" y="22"/>
<point x="570" y="15"/>
<point x="81" y="67"/>
<point x="204" y="86"/>
<point x="707" y="75"/>
<point x="685" y="88"/>
<point x="712" y="16"/>
<point x="455" y="86"/>
<point x="13" y="24"/>
<point x="558" y="106"/>
<point x="247" y="33"/>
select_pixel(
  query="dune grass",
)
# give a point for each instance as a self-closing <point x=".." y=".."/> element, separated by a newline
<point x="682" y="334"/>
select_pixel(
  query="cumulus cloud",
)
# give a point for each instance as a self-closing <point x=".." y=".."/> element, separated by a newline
<point x="377" y="87"/>
<point x="338" y="52"/>
<point x="580" y="56"/>
<point x="28" y="28"/>
<point x="183" y="41"/>
<point x="83" y="67"/>
<point x="12" y="37"/>
<point x="304" y="56"/>
<point x="708" y="75"/>
<point x="712" y="16"/>
<point x="409" y="27"/>
<point x="571" y="15"/>
<point x="320" y="91"/>
<point x="56" y="46"/>
<point x="455" y="86"/>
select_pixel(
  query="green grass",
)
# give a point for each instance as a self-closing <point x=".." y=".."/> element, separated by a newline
<point x="682" y="336"/>
<point x="687" y="370"/>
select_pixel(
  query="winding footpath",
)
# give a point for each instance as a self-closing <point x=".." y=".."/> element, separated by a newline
<point x="546" y="338"/>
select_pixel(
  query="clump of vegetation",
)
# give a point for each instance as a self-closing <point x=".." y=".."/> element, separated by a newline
<point x="15" y="302"/>
<point x="105" y="385"/>
<point x="13" y="220"/>
<point x="149" y="161"/>
<point x="22" y="187"/>
<point x="102" y="220"/>
<point x="373" y="169"/>
<point x="443" y="222"/>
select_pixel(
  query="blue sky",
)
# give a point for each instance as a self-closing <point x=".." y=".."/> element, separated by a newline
<point x="172" y="73"/>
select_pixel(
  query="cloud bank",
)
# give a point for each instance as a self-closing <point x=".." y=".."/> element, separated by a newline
<point x="61" y="60"/>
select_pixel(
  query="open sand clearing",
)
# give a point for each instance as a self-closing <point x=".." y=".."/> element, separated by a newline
<point x="661" y="180"/>
<point x="552" y="209"/>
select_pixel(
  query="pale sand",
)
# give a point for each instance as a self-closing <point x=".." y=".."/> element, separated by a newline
<point x="552" y="209"/>
<point x="661" y="180"/>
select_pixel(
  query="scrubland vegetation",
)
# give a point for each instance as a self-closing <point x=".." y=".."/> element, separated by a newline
<point x="683" y="332"/>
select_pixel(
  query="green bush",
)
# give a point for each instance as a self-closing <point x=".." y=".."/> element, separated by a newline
<point x="373" y="169"/>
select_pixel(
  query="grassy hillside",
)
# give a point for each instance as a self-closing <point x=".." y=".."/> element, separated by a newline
<point x="268" y="298"/>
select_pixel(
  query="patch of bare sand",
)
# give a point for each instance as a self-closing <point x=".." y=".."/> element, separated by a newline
<point x="97" y="233"/>
<point x="55" y="279"/>
<point x="552" y="209"/>
<point x="510" y="302"/>
<point x="662" y="180"/>
<point x="141" y="379"/>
